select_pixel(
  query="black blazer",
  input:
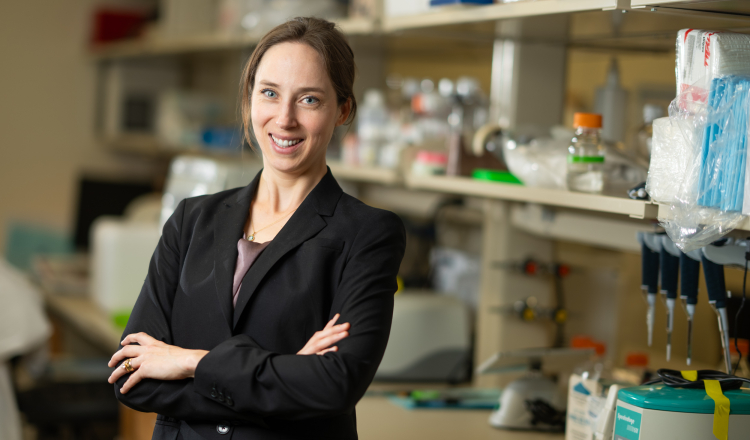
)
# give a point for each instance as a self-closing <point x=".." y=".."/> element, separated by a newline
<point x="334" y="255"/>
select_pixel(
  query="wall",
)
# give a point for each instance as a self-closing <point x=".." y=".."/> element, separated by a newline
<point x="47" y="84"/>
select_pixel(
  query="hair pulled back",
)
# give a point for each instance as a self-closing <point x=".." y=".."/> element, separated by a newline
<point x="322" y="36"/>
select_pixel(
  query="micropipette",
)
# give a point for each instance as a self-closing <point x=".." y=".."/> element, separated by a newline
<point x="649" y="279"/>
<point x="690" y="266"/>
<point x="669" y="262"/>
<point x="717" y="297"/>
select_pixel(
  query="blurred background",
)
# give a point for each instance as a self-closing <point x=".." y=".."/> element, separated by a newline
<point x="112" y="111"/>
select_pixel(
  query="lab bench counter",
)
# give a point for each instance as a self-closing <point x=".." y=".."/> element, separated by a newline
<point x="86" y="318"/>
<point x="377" y="419"/>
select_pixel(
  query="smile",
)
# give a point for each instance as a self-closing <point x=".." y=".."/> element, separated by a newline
<point x="285" y="143"/>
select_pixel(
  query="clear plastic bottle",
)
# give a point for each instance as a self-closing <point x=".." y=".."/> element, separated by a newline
<point x="585" y="171"/>
<point x="371" y="126"/>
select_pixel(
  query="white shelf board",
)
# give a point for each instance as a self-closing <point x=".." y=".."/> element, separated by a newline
<point x="447" y="15"/>
<point x="209" y="42"/>
<point x="364" y="174"/>
<point x="551" y="197"/>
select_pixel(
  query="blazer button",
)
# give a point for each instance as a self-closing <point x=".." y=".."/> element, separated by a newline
<point x="222" y="429"/>
<point x="230" y="402"/>
<point x="213" y="392"/>
<point x="221" y="396"/>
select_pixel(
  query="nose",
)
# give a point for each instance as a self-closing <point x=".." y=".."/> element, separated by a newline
<point x="286" y="118"/>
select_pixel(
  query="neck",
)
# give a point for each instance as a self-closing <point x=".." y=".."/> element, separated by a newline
<point x="280" y="191"/>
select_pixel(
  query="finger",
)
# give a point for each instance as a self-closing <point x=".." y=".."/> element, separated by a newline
<point x="330" y="340"/>
<point x="132" y="380"/>
<point x="141" y="338"/>
<point x="332" y="321"/>
<point x="129" y="351"/>
<point x="332" y="330"/>
<point x="328" y="350"/>
<point x="120" y="371"/>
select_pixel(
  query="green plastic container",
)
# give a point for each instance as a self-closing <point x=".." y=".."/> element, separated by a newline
<point x="495" y="176"/>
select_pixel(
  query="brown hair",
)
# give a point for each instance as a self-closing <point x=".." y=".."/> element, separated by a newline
<point x="322" y="36"/>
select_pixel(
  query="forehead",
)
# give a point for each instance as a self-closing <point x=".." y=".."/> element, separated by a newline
<point x="293" y="65"/>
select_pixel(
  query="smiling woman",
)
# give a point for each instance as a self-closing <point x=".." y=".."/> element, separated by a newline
<point x="245" y="284"/>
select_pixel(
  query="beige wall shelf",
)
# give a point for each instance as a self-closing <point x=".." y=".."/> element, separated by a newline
<point x="550" y="197"/>
<point x="449" y="15"/>
<point x="364" y="174"/>
<point x="209" y="42"/>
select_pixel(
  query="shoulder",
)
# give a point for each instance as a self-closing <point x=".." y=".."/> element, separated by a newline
<point x="206" y="204"/>
<point x="352" y="209"/>
<point x="363" y="224"/>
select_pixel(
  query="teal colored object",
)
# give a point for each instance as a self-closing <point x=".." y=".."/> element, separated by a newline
<point x="627" y="424"/>
<point x="495" y="176"/>
<point x="25" y="241"/>
<point x="663" y="398"/>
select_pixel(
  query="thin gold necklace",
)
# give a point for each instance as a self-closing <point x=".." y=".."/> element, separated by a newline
<point x="251" y="237"/>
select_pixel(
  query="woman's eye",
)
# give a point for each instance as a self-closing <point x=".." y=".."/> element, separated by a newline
<point x="269" y="93"/>
<point x="309" y="100"/>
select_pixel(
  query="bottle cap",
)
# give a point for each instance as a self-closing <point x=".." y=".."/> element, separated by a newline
<point x="588" y="120"/>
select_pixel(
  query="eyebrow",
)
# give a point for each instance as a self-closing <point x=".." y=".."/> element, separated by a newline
<point x="303" y="90"/>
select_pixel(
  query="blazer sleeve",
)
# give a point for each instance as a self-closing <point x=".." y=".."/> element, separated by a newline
<point x="297" y="387"/>
<point x="152" y="314"/>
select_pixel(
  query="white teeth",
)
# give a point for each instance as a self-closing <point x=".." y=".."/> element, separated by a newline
<point x="284" y="144"/>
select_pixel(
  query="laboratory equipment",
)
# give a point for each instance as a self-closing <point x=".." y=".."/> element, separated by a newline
<point x="120" y="254"/>
<point x="717" y="297"/>
<point x="690" y="265"/>
<point x="371" y="127"/>
<point x="669" y="262"/>
<point x="585" y="170"/>
<point x="658" y="411"/>
<point x="611" y="103"/>
<point x="430" y="339"/>
<point x="703" y="55"/>
<point x="650" y="251"/>
<point x="514" y="411"/>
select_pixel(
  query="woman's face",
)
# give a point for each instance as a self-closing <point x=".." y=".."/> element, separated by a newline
<point x="294" y="108"/>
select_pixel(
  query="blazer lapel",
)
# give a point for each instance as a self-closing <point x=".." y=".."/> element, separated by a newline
<point x="305" y="223"/>
<point x="229" y="222"/>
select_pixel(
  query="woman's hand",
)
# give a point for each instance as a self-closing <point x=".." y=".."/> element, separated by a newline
<point x="153" y="359"/>
<point x="322" y="341"/>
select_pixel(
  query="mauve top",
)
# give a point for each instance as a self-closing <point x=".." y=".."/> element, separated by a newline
<point x="247" y="253"/>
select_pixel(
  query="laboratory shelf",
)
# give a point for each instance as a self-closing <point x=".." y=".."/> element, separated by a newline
<point x="208" y="42"/>
<point x="364" y="174"/>
<point x="551" y="197"/>
<point x="458" y="14"/>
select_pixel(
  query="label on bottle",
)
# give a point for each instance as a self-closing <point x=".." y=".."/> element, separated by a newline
<point x="585" y="159"/>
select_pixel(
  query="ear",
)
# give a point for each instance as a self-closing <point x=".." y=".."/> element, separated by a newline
<point x="344" y="110"/>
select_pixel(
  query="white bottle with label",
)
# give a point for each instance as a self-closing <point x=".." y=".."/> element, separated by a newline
<point x="585" y="169"/>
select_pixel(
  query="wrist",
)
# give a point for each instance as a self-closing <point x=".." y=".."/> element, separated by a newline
<point x="194" y="356"/>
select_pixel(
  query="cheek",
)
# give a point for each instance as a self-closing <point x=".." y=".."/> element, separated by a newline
<point x="259" y="114"/>
<point x="319" y="124"/>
